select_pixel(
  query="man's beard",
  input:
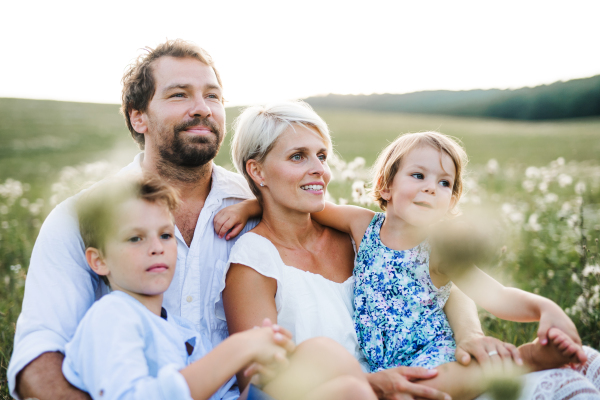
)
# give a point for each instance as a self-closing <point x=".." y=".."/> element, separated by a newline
<point x="194" y="151"/>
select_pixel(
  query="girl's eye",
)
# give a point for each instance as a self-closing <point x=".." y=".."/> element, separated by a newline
<point x="166" y="236"/>
<point x="417" y="175"/>
<point x="445" y="183"/>
<point x="134" y="239"/>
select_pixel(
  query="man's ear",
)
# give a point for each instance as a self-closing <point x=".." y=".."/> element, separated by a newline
<point x="138" y="121"/>
<point x="96" y="261"/>
<point x="254" y="169"/>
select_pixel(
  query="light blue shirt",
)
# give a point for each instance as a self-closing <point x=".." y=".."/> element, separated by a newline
<point x="121" y="350"/>
<point x="61" y="287"/>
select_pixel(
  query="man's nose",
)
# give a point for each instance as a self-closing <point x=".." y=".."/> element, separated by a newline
<point x="200" y="109"/>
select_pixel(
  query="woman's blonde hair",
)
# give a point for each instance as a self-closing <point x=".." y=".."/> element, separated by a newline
<point x="389" y="160"/>
<point x="256" y="130"/>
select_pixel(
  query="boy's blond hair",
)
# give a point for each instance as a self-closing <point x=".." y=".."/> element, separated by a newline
<point x="388" y="162"/>
<point x="97" y="208"/>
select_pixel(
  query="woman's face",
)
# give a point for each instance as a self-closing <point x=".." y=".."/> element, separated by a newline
<point x="295" y="172"/>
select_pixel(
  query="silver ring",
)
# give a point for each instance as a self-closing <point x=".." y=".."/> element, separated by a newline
<point x="493" y="353"/>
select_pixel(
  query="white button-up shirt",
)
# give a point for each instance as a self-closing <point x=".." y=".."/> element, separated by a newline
<point x="60" y="286"/>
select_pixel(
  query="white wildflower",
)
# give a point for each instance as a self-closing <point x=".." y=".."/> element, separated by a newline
<point x="528" y="185"/>
<point x="357" y="163"/>
<point x="15" y="268"/>
<point x="580" y="187"/>
<point x="573" y="221"/>
<point x="342" y="201"/>
<point x="532" y="172"/>
<point x="560" y="161"/>
<point x="4" y="209"/>
<point x="564" y="180"/>
<point x="591" y="269"/>
<point x="7" y="280"/>
<point x="507" y="208"/>
<point x="550" y="273"/>
<point x="532" y="223"/>
<point x="543" y="186"/>
<point x="516" y="217"/>
<point x="348" y="174"/>
<point x="575" y="278"/>
<point x="24" y="202"/>
<point x="551" y="198"/>
<point x="492" y="166"/>
<point x="4" y="224"/>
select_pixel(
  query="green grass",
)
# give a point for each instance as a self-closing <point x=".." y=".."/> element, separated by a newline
<point x="41" y="138"/>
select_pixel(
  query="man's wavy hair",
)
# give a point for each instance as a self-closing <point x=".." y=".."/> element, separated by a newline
<point x="138" y="81"/>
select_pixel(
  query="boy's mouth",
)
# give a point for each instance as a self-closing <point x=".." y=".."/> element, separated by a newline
<point x="157" y="268"/>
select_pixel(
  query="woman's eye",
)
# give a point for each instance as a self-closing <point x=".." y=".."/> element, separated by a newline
<point x="417" y="175"/>
<point x="296" y="157"/>
<point x="322" y="157"/>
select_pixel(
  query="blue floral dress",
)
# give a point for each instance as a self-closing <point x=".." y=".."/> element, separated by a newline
<point x="399" y="317"/>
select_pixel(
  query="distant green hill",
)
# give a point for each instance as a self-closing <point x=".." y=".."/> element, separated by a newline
<point x="572" y="99"/>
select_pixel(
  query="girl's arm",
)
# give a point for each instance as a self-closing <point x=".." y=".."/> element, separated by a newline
<point x="248" y="298"/>
<point x="349" y="219"/>
<point x="232" y="219"/>
<point x="510" y="303"/>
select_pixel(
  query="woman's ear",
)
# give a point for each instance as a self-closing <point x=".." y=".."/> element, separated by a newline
<point x="96" y="261"/>
<point x="138" y="121"/>
<point x="255" y="171"/>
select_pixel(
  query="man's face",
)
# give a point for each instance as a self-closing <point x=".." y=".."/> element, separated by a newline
<point x="186" y="117"/>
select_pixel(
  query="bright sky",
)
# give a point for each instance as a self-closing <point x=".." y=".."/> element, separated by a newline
<point x="273" y="50"/>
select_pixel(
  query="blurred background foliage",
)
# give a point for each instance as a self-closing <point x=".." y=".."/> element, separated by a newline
<point x="539" y="179"/>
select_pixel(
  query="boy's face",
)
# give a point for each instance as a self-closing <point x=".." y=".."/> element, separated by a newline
<point x="141" y="252"/>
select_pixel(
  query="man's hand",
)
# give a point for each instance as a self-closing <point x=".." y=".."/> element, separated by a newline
<point x="397" y="384"/>
<point x="43" y="379"/>
<point x="480" y="347"/>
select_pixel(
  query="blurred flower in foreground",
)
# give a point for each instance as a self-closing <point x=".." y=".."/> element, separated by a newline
<point x="492" y="166"/>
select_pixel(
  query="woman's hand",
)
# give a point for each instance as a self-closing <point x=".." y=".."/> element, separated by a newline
<point x="398" y="384"/>
<point x="480" y="347"/>
<point x="233" y="219"/>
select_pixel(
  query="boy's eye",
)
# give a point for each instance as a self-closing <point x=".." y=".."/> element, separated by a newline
<point x="417" y="175"/>
<point x="134" y="239"/>
<point x="166" y="236"/>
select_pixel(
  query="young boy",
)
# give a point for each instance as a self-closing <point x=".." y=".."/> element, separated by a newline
<point x="127" y="346"/>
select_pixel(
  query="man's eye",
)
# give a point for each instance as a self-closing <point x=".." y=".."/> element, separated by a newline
<point x="417" y="175"/>
<point x="213" y="96"/>
<point x="134" y="239"/>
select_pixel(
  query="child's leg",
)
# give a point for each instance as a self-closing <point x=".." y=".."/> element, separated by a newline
<point x="320" y="368"/>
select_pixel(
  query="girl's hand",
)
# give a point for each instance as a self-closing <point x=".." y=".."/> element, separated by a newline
<point x="231" y="219"/>
<point x="552" y="316"/>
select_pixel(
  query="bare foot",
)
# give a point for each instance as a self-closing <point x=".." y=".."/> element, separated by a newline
<point x="559" y="351"/>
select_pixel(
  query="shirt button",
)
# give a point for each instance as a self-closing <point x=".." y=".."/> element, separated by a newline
<point x="189" y="299"/>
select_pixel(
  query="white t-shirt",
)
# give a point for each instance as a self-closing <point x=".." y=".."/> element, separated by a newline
<point x="308" y="305"/>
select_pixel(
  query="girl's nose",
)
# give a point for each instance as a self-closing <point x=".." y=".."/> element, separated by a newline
<point x="429" y="187"/>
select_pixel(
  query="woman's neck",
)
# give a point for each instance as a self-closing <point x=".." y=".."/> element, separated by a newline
<point x="397" y="234"/>
<point x="285" y="227"/>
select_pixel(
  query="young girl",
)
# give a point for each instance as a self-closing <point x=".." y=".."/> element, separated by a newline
<point x="402" y="285"/>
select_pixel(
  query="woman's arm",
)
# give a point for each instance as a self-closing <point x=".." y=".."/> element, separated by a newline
<point x="349" y="219"/>
<point x="248" y="298"/>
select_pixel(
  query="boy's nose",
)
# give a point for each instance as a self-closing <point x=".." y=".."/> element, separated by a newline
<point x="156" y="247"/>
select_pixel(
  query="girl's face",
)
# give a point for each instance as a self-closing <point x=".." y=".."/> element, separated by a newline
<point x="421" y="191"/>
<point x="295" y="172"/>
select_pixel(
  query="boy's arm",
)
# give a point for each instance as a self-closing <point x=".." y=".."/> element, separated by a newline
<point x="353" y="220"/>
<point x="59" y="289"/>
<point x="512" y="304"/>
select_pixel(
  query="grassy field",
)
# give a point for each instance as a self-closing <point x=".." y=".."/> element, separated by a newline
<point x="543" y="190"/>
